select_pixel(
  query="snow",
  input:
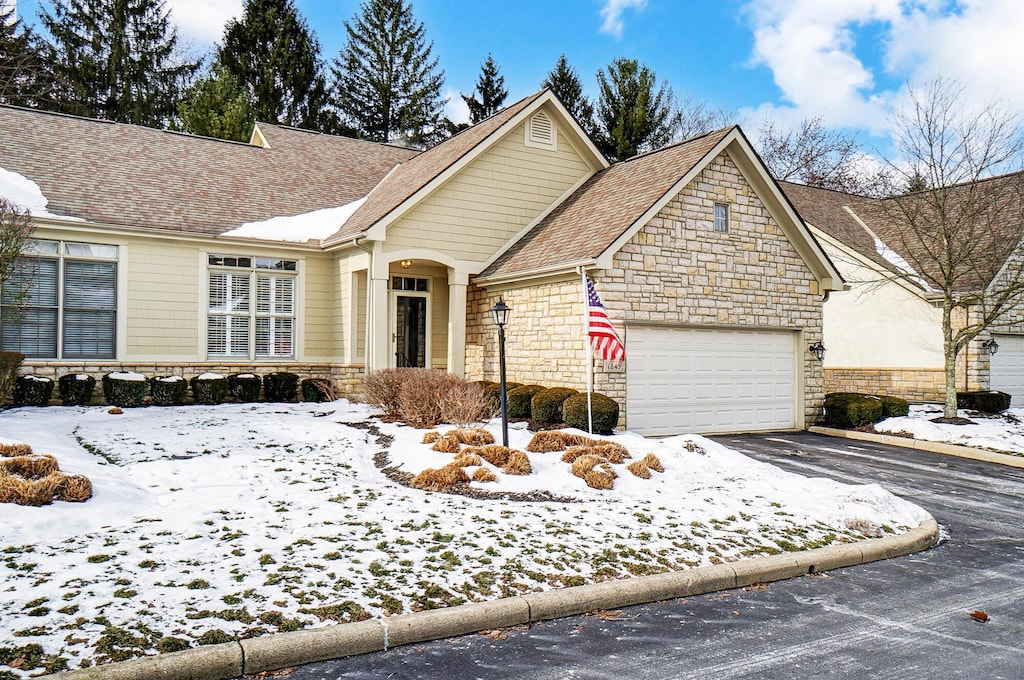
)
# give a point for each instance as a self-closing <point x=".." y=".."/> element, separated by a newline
<point x="211" y="517"/>
<point x="26" y="194"/>
<point x="896" y="260"/>
<point x="210" y="376"/>
<point x="1002" y="432"/>
<point x="170" y="378"/>
<point x="129" y="376"/>
<point x="315" y="225"/>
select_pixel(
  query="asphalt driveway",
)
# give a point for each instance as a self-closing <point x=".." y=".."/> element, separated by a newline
<point x="902" y="618"/>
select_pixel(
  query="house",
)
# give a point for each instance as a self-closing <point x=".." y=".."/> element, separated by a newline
<point x="166" y="253"/>
<point x="884" y="334"/>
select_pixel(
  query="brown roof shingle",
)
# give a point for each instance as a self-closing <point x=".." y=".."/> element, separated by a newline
<point x="132" y="176"/>
<point x="601" y="210"/>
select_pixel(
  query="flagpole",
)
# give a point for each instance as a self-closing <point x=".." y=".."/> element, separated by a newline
<point x="589" y="348"/>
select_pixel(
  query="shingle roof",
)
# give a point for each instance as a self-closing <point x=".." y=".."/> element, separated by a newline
<point x="608" y="204"/>
<point x="133" y="176"/>
<point x="417" y="172"/>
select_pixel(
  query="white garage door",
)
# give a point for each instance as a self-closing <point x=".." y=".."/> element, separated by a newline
<point x="689" y="380"/>
<point x="1007" y="367"/>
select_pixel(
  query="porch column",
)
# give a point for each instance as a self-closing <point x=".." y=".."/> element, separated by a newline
<point x="457" y="283"/>
<point x="380" y="332"/>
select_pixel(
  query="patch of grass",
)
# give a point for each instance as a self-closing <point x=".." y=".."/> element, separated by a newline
<point x="344" y="612"/>
<point x="171" y="644"/>
<point x="214" y="636"/>
<point x="198" y="584"/>
<point x="98" y="559"/>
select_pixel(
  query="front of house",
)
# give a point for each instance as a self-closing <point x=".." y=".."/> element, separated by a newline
<point x="169" y="254"/>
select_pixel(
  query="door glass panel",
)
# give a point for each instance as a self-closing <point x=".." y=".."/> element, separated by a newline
<point x="411" y="332"/>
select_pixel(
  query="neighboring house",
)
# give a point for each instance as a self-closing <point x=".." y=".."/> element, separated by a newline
<point x="165" y="253"/>
<point x="884" y="334"/>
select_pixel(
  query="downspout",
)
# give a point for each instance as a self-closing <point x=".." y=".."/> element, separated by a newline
<point x="369" y="304"/>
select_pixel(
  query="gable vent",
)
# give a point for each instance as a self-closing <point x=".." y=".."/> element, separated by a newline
<point x="540" y="132"/>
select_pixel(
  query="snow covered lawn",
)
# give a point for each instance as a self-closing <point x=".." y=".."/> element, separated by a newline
<point x="1002" y="432"/>
<point x="211" y="522"/>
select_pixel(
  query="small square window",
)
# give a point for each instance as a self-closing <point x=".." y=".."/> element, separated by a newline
<point x="721" y="217"/>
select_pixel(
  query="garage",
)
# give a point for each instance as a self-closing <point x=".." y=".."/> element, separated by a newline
<point x="1007" y="367"/>
<point x="710" y="380"/>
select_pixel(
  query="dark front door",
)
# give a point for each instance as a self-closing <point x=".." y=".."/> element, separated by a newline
<point x="411" y="331"/>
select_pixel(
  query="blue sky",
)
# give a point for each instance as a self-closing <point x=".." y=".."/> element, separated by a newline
<point x="845" y="60"/>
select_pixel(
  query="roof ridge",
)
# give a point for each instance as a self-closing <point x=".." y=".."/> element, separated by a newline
<point x="59" y="114"/>
<point x="292" y="128"/>
<point x="956" y="185"/>
<point x="673" y="145"/>
<point x="833" y="191"/>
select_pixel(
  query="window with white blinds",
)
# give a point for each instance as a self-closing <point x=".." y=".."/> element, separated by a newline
<point x="61" y="307"/>
<point x="238" y="328"/>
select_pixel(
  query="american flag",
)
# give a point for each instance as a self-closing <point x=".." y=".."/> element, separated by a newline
<point x="606" y="342"/>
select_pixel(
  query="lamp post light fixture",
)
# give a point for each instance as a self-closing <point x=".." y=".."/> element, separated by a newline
<point x="818" y="350"/>
<point x="991" y="345"/>
<point x="500" y="314"/>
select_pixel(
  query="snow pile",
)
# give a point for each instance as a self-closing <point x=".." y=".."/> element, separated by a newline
<point x="26" y="194"/>
<point x="1003" y="432"/>
<point x="896" y="260"/>
<point x="316" y="225"/>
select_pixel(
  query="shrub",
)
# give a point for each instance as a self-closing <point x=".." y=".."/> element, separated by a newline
<point x="245" y="387"/>
<point x="168" y="390"/>
<point x="849" y="409"/>
<point x="462" y="403"/>
<point x="318" y="390"/>
<point x="76" y="389"/>
<point x="519" y="400"/>
<point x="382" y="389"/>
<point x="125" y="389"/>
<point x="985" y="401"/>
<point x="546" y="406"/>
<point x="894" y="407"/>
<point x="209" y="388"/>
<point x="281" y="386"/>
<point x="10" y="362"/>
<point x="604" y="410"/>
<point x="492" y="393"/>
<point x="30" y="390"/>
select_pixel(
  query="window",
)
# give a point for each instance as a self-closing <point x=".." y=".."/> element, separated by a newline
<point x="540" y="132"/>
<point x="721" y="217"/>
<point x="238" y="328"/>
<point x="61" y="302"/>
<point x="409" y="283"/>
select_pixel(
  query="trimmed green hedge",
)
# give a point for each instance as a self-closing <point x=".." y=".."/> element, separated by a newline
<point x="76" y="389"/>
<point x="519" y="400"/>
<point x="894" y="407"/>
<point x="9" y="364"/>
<point x="245" y="387"/>
<point x="848" y="409"/>
<point x="281" y="387"/>
<point x="546" y="406"/>
<point x="986" y="402"/>
<point x="209" y="388"/>
<point x="30" y="390"/>
<point x="604" y="409"/>
<point x="492" y="393"/>
<point x="125" y="389"/>
<point x="169" y="390"/>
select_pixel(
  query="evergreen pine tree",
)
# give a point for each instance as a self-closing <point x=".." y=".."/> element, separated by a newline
<point x="117" y="59"/>
<point x="217" y="106"/>
<point x="633" y="117"/>
<point x="491" y="87"/>
<point x="272" y="52"/>
<point x="25" y="79"/>
<point x="385" y="83"/>
<point x="565" y="83"/>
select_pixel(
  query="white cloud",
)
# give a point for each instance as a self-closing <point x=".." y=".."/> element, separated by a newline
<point x="456" y="108"/>
<point x="612" y="11"/>
<point x="202" y="21"/>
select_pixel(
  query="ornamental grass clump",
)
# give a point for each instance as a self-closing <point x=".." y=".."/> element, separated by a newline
<point x="584" y="464"/>
<point x="638" y="468"/>
<point x="245" y="387"/>
<point x="484" y="475"/>
<point x="465" y="459"/>
<point x="34" y="466"/>
<point x="599" y="479"/>
<point x="17" y="449"/>
<point x="652" y="462"/>
<point x="473" y="436"/>
<point x="169" y="390"/>
<point x="431" y="437"/>
<point x="74" y="488"/>
<point x="446" y="444"/>
<point x="554" y="440"/>
<point x="518" y="463"/>
<point x="440" y="479"/>
<point x="32" y="390"/>
<point x="33" y="492"/>
<point x="76" y="389"/>
<point x="495" y="454"/>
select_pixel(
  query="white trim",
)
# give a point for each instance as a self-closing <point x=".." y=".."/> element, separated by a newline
<point x="861" y="260"/>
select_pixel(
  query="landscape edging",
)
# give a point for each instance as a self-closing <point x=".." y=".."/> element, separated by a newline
<point x="233" y="659"/>
<point x="922" y="445"/>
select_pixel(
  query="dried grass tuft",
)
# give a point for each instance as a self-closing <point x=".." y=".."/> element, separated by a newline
<point x="467" y="460"/>
<point x="638" y="468"/>
<point x="474" y="436"/>
<point x="574" y="452"/>
<point x="443" y="479"/>
<point x="518" y="463"/>
<point x="555" y="440"/>
<point x="495" y="454"/>
<point x="11" y="450"/>
<point x="584" y="464"/>
<point x="34" y="492"/>
<point x="431" y="436"/>
<point x="484" y="475"/>
<point x="74" y="488"/>
<point x="446" y="444"/>
<point x="612" y="452"/>
<point x="609" y="470"/>
<point x="597" y="479"/>
<point x="35" y="466"/>
<point x="652" y="462"/>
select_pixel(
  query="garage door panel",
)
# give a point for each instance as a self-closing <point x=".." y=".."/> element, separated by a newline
<point x="1007" y="367"/>
<point x="710" y="380"/>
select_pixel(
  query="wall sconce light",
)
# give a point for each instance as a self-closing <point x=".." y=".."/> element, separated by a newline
<point x="406" y="264"/>
<point x="991" y="345"/>
<point x="818" y="350"/>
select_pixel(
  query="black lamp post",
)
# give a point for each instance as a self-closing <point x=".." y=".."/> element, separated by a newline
<point x="500" y="313"/>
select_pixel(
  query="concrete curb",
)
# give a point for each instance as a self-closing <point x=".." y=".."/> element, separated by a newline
<point x="921" y="445"/>
<point x="233" y="659"/>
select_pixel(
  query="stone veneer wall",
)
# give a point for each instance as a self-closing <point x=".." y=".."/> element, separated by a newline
<point x="912" y="384"/>
<point x="347" y="378"/>
<point x="677" y="270"/>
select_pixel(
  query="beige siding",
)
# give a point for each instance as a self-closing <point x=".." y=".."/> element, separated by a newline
<point x="320" y="326"/>
<point x="360" y="338"/>
<point x="163" y="290"/>
<point x="491" y="200"/>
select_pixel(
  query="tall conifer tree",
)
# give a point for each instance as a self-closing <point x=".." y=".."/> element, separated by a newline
<point x="217" y="106"/>
<point x="565" y="83"/>
<point x="117" y="59"/>
<point x="491" y="88"/>
<point x="274" y="54"/>
<point x="634" y="113"/>
<point x="25" y="78"/>
<point x="386" y="84"/>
